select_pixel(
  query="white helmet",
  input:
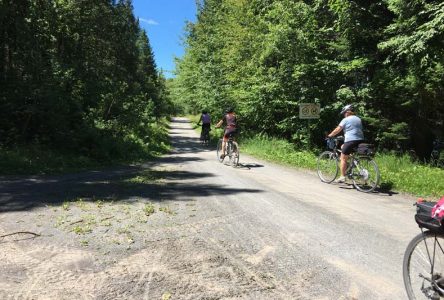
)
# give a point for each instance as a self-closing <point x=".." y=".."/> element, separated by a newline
<point x="347" y="108"/>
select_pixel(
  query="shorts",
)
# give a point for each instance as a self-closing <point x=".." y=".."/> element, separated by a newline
<point x="228" y="132"/>
<point x="348" y="147"/>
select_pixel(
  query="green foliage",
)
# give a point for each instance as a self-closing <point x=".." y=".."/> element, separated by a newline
<point x="78" y="77"/>
<point x="267" y="57"/>
<point x="279" y="150"/>
<point x="103" y="150"/>
<point x="403" y="175"/>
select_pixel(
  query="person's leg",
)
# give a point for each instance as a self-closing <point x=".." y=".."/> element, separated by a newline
<point x="344" y="159"/>
<point x="224" y="145"/>
<point x="347" y="149"/>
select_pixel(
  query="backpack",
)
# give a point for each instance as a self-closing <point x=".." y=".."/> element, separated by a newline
<point x="430" y="215"/>
<point x="366" y="149"/>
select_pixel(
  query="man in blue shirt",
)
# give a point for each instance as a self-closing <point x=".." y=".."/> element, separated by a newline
<point x="351" y="125"/>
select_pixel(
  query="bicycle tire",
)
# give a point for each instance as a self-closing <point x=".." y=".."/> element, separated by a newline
<point x="327" y="166"/>
<point x="234" y="154"/>
<point x="366" y="176"/>
<point x="219" y="151"/>
<point x="424" y="255"/>
<point x="206" y="137"/>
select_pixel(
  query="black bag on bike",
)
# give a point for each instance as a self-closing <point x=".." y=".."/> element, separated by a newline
<point x="424" y="217"/>
<point x="366" y="149"/>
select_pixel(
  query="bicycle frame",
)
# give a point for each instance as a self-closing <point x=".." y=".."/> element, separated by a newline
<point x="365" y="179"/>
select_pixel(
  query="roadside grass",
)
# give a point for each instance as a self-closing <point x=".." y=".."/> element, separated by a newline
<point x="397" y="173"/>
<point x="33" y="159"/>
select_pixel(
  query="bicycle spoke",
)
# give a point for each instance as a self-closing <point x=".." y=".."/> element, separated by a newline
<point x="423" y="268"/>
<point x="327" y="166"/>
<point x="365" y="174"/>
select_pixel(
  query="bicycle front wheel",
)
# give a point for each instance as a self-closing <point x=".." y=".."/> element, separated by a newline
<point x="423" y="267"/>
<point x="234" y="154"/>
<point x="365" y="174"/>
<point x="219" y="151"/>
<point x="327" y="166"/>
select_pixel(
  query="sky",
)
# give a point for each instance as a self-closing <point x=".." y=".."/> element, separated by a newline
<point x="164" y="22"/>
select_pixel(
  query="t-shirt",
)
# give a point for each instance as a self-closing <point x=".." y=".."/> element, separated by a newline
<point x="206" y="119"/>
<point x="230" y="120"/>
<point x="352" y="127"/>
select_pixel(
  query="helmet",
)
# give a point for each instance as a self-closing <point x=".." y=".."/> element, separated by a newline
<point x="204" y="111"/>
<point x="348" y="107"/>
<point x="229" y="109"/>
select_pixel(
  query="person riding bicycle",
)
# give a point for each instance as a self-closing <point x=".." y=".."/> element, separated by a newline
<point x="229" y="119"/>
<point x="205" y="118"/>
<point x="351" y="125"/>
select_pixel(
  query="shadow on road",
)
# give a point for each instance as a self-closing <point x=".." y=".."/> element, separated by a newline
<point x="112" y="185"/>
<point x="117" y="184"/>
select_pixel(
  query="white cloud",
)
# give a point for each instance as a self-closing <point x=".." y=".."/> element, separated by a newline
<point x="148" y="21"/>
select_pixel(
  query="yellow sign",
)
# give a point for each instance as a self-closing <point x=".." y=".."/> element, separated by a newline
<point x="309" y="111"/>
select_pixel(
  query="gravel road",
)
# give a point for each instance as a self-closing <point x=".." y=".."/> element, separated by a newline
<point x="189" y="227"/>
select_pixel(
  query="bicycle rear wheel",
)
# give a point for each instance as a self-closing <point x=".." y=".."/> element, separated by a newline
<point x="423" y="267"/>
<point x="219" y="151"/>
<point x="234" y="154"/>
<point x="327" y="166"/>
<point x="206" y="137"/>
<point x="365" y="175"/>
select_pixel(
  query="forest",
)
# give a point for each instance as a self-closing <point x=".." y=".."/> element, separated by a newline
<point x="266" y="57"/>
<point x="78" y="77"/>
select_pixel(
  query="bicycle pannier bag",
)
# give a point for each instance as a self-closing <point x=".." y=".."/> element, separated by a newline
<point x="331" y="144"/>
<point x="366" y="149"/>
<point x="424" y="216"/>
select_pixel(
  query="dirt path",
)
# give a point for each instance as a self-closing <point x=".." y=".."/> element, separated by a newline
<point x="188" y="227"/>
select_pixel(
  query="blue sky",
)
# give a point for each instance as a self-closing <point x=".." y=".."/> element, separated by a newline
<point x="164" y="22"/>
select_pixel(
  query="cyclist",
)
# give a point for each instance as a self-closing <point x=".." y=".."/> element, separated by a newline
<point x="351" y="125"/>
<point x="229" y="119"/>
<point x="205" y="118"/>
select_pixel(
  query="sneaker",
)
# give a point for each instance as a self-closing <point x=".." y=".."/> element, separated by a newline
<point x="222" y="156"/>
<point x="341" y="179"/>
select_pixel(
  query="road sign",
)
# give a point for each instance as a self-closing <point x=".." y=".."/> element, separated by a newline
<point x="309" y="111"/>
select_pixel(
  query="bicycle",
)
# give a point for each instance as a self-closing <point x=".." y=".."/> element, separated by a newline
<point x="232" y="151"/>
<point x="205" y="136"/>
<point x="362" y="169"/>
<point x="423" y="263"/>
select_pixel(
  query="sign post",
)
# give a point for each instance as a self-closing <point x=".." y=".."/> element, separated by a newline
<point x="309" y="110"/>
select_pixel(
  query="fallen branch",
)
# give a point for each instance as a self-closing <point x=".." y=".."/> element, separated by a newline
<point x="75" y="222"/>
<point x="20" y="232"/>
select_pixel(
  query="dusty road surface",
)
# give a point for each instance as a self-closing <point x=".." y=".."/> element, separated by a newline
<point x="188" y="227"/>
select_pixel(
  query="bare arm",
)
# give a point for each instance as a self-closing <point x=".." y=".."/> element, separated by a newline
<point x="335" y="131"/>
<point x="219" y="124"/>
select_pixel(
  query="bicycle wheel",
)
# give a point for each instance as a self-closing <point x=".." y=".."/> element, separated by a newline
<point x="327" y="166"/>
<point x="219" y="151"/>
<point x="365" y="174"/>
<point x="206" y="137"/>
<point x="423" y="267"/>
<point x="234" y="154"/>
